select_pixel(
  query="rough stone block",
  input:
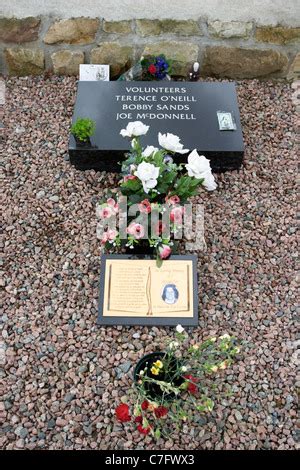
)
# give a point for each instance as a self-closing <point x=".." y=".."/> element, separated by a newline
<point x="230" y="29"/>
<point x="73" y="31"/>
<point x="117" y="27"/>
<point x="19" y="30"/>
<point x="25" y="61"/>
<point x="177" y="27"/>
<point x="277" y="34"/>
<point x="294" y="71"/>
<point x="67" y="62"/>
<point x="235" y="62"/>
<point x="118" y="57"/>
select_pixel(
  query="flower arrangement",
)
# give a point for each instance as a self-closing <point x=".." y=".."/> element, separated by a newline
<point x="149" y="68"/>
<point x="172" y="386"/>
<point x="155" y="67"/>
<point x="157" y="188"/>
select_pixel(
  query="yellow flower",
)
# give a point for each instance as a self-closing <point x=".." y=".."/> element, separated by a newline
<point x="158" y="364"/>
<point x="154" y="370"/>
<point x="196" y="347"/>
<point x="213" y="339"/>
<point x="226" y="336"/>
<point x="152" y="406"/>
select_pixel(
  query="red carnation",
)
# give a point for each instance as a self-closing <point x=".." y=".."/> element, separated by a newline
<point x="122" y="413"/>
<point x="139" y="419"/>
<point x="145" y="206"/>
<point x="192" y="388"/>
<point x="143" y="430"/>
<point x="160" y="411"/>
<point x="145" y="405"/>
<point x="152" y="69"/>
<point x="160" y="228"/>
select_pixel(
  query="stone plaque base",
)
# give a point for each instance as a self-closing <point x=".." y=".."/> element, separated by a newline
<point x="189" y="110"/>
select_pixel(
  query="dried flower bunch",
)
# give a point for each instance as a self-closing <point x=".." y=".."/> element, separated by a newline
<point x="158" y="188"/>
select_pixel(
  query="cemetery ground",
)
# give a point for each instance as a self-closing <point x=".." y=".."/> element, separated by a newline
<point x="61" y="375"/>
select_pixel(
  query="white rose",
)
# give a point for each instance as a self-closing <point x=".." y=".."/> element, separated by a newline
<point x="148" y="175"/>
<point x="134" y="129"/>
<point x="171" y="142"/>
<point x="209" y="182"/>
<point x="149" y="150"/>
<point x="179" y="329"/>
<point x="199" y="167"/>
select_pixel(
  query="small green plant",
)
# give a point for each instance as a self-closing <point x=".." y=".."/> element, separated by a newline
<point x="83" y="129"/>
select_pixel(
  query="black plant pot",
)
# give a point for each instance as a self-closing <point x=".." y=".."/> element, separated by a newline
<point x="153" y="391"/>
<point x="83" y="144"/>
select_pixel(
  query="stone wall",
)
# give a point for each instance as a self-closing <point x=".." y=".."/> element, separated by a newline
<point x="233" y="49"/>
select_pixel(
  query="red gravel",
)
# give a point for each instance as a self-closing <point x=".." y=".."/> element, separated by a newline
<point x="59" y="373"/>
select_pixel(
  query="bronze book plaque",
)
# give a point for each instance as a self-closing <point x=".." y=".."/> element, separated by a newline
<point x="134" y="291"/>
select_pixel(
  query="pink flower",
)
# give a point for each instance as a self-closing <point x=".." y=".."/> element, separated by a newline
<point x="160" y="228"/>
<point x="109" y="235"/>
<point x="136" y="230"/>
<point x="164" y="251"/>
<point x="129" y="177"/>
<point x="176" y="214"/>
<point x="145" y="206"/>
<point x="104" y="238"/>
<point x="173" y="200"/>
<point x="113" y="204"/>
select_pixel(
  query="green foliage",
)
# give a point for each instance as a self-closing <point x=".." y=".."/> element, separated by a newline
<point x="186" y="186"/>
<point x="83" y="129"/>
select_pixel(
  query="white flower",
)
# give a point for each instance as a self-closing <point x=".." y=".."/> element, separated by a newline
<point x="173" y="345"/>
<point x="149" y="150"/>
<point x="134" y="143"/>
<point x="199" y="167"/>
<point x="179" y="329"/>
<point x="184" y="369"/>
<point x="226" y="336"/>
<point x="134" y="129"/>
<point x="148" y="175"/>
<point x="171" y="142"/>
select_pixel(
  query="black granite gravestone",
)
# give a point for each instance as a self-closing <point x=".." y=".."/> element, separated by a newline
<point x="186" y="109"/>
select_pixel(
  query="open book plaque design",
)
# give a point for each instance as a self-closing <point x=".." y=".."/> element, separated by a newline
<point x="134" y="291"/>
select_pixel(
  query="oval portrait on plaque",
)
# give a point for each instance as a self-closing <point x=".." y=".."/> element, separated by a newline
<point x="170" y="294"/>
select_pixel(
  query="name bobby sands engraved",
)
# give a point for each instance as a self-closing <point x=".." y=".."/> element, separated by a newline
<point x="155" y="102"/>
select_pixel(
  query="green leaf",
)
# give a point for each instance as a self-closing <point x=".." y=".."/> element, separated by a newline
<point x="159" y="261"/>
<point x="134" y="198"/>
